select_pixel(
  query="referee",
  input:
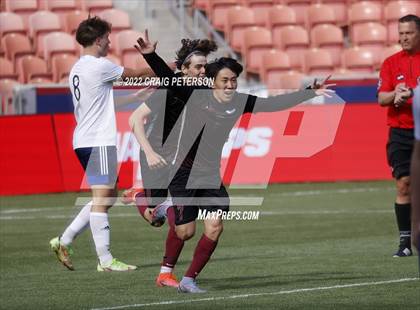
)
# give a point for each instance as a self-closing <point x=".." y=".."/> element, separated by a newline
<point x="399" y="75"/>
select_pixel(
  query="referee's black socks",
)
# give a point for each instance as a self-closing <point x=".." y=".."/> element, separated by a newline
<point x="402" y="212"/>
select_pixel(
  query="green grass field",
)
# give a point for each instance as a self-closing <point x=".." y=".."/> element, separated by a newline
<point x="315" y="246"/>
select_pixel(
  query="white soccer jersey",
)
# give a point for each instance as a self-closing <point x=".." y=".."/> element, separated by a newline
<point x="416" y="112"/>
<point x="93" y="99"/>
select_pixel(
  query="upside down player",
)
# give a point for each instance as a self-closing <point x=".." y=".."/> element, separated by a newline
<point x="94" y="140"/>
<point x="154" y="159"/>
<point x="210" y="116"/>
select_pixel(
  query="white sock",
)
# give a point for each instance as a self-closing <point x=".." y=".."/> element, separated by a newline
<point x="164" y="269"/>
<point x="99" y="225"/>
<point x="77" y="226"/>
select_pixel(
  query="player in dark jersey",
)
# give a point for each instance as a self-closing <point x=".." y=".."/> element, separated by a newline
<point x="191" y="59"/>
<point x="210" y="114"/>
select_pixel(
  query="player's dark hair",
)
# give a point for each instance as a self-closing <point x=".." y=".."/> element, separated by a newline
<point x="201" y="47"/>
<point x="213" y="68"/>
<point x="411" y="18"/>
<point x="90" y="29"/>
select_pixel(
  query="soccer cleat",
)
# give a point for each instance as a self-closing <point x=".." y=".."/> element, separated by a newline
<point x="116" y="265"/>
<point x="129" y="195"/>
<point x="403" y="252"/>
<point x="159" y="213"/>
<point x="190" y="287"/>
<point x="62" y="252"/>
<point x="166" y="279"/>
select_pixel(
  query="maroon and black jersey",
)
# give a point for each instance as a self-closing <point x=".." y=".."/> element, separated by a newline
<point x="204" y="124"/>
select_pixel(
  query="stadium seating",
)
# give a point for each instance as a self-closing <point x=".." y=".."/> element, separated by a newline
<point x="330" y="38"/>
<point x="7" y="70"/>
<point x="261" y="9"/>
<point x="61" y="65"/>
<point x="95" y="6"/>
<point x="371" y="36"/>
<point x="11" y="23"/>
<point x="320" y="14"/>
<point x="58" y="43"/>
<point x="64" y="80"/>
<point x="73" y="19"/>
<point x="388" y="51"/>
<point x="6" y="94"/>
<point x="202" y="5"/>
<point x="23" y="8"/>
<point x="238" y="19"/>
<point x="257" y="41"/>
<point x="340" y="10"/>
<point x="40" y="24"/>
<point x="318" y="62"/>
<point x="363" y="12"/>
<point x="295" y="41"/>
<point x="279" y="17"/>
<point x="286" y="81"/>
<point x="120" y="20"/>
<point x="395" y="10"/>
<point x="274" y="62"/>
<point x="218" y="12"/>
<point x="125" y="50"/>
<point x="60" y="6"/>
<point x="358" y="60"/>
<point x="34" y="67"/>
<point x="300" y="7"/>
<point x="40" y="80"/>
<point x="16" y="45"/>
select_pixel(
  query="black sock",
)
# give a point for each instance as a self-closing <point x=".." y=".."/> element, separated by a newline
<point x="402" y="212"/>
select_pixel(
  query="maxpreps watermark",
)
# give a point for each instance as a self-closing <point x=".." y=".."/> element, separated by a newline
<point x="228" y="215"/>
<point x="167" y="81"/>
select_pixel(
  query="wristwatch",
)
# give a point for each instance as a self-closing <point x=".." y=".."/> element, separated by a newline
<point x="411" y="92"/>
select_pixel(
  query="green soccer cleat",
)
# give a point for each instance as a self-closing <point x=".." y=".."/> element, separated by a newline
<point x="116" y="265"/>
<point x="62" y="252"/>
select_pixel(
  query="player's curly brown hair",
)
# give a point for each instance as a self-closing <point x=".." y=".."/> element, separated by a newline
<point x="201" y="47"/>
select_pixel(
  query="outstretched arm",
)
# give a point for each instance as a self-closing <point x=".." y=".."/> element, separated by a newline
<point x="284" y="102"/>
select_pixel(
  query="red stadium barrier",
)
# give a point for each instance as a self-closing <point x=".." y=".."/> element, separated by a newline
<point x="37" y="155"/>
<point x="29" y="161"/>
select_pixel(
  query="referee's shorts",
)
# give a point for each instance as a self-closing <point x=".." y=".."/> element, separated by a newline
<point x="100" y="164"/>
<point x="399" y="149"/>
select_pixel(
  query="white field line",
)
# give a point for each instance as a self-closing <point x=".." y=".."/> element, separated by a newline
<point x="264" y="213"/>
<point x="294" y="291"/>
<point x="5" y="213"/>
<point x="333" y="191"/>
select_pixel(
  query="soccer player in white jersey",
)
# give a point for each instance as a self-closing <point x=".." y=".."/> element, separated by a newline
<point x="94" y="140"/>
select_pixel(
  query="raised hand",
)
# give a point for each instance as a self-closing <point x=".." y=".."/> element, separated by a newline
<point x="144" y="45"/>
<point x="322" y="89"/>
